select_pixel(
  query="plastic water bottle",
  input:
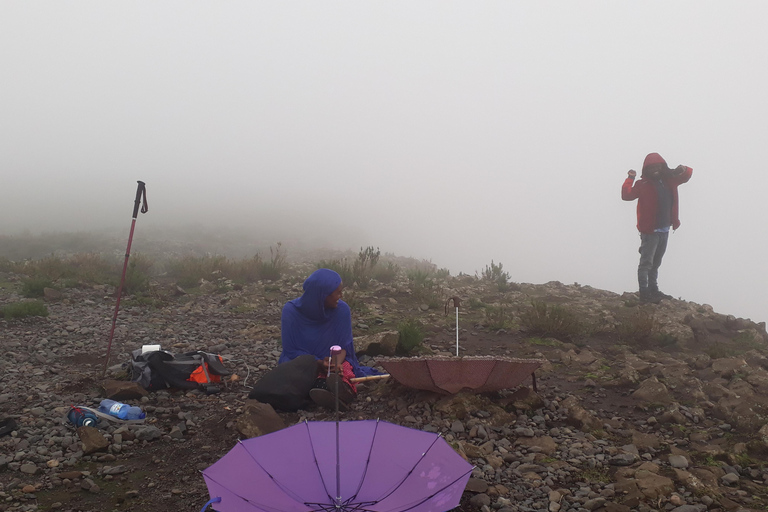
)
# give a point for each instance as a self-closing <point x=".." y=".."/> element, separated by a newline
<point x="82" y="418"/>
<point x="121" y="410"/>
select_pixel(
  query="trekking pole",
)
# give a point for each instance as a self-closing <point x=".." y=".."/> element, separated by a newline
<point x="335" y="350"/>
<point x="456" y="303"/>
<point x="141" y="193"/>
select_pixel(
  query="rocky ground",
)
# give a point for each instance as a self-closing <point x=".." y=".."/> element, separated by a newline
<point x="655" y="407"/>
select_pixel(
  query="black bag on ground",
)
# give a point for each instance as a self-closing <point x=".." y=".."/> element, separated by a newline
<point x="161" y="369"/>
<point x="286" y="387"/>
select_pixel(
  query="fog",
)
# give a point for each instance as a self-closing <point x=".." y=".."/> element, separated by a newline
<point x="460" y="132"/>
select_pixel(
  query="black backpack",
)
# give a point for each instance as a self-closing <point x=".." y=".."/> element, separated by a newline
<point x="161" y="369"/>
<point x="286" y="387"/>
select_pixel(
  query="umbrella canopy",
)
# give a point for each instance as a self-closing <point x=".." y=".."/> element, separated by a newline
<point x="381" y="467"/>
<point x="449" y="375"/>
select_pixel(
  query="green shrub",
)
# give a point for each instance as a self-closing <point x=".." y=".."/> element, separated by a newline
<point x="7" y="265"/>
<point x="430" y="293"/>
<point x="387" y="273"/>
<point x="636" y="325"/>
<point x="52" y="267"/>
<point x="417" y="277"/>
<point x="639" y="326"/>
<point x="356" y="303"/>
<point x="24" y="309"/>
<point x="343" y="268"/>
<point x="496" y="317"/>
<point x="475" y="303"/>
<point x="362" y="268"/>
<point x="35" y="286"/>
<point x="411" y="336"/>
<point x="189" y="270"/>
<point x="245" y="271"/>
<point x="719" y="350"/>
<point x="273" y="269"/>
<point x="137" y="274"/>
<point x="551" y="320"/>
<point x="495" y="274"/>
<point x="94" y="269"/>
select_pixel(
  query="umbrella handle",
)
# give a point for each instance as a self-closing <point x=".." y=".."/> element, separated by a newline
<point x="370" y="377"/>
<point x="212" y="500"/>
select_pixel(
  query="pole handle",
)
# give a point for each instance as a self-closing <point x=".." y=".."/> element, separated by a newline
<point x="141" y="191"/>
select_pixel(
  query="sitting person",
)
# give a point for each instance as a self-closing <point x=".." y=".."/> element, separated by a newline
<point x="315" y="322"/>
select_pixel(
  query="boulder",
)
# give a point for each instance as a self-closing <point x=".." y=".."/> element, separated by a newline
<point x="258" y="419"/>
<point x="123" y="390"/>
<point x="727" y="368"/>
<point x="545" y="444"/>
<point x="580" y="417"/>
<point x="654" y="486"/>
<point x="652" y="391"/>
<point x="92" y="440"/>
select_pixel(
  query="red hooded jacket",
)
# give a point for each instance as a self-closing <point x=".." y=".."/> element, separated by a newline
<point x="645" y="193"/>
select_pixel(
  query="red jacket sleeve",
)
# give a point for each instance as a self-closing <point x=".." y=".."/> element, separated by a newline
<point x="682" y="177"/>
<point x="628" y="191"/>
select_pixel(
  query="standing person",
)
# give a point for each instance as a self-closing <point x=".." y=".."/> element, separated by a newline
<point x="315" y="322"/>
<point x="657" y="211"/>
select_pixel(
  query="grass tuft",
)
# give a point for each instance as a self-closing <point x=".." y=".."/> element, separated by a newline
<point x="551" y="320"/>
<point x="24" y="309"/>
<point x="35" y="286"/>
<point x="411" y="336"/>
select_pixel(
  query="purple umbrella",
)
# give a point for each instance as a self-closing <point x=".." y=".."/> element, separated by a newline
<point x="378" y="466"/>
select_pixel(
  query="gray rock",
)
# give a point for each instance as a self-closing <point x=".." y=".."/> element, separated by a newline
<point x="623" y="459"/>
<point x="480" y="500"/>
<point x="29" y="469"/>
<point x="149" y="433"/>
<point x="678" y="461"/>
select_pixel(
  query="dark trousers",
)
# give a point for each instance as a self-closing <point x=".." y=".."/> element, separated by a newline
<point x="652" y="249"/>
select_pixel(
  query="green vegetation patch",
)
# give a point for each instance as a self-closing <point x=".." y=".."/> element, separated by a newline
<point x="411" y="336"/>
<point x="24" y="309"/>
<point x="551" y="320"/>
<point x="495" y="274"/>
<point x="35" y="286"/>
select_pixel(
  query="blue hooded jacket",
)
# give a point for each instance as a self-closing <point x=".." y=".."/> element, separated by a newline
<point x="308" y="327"/>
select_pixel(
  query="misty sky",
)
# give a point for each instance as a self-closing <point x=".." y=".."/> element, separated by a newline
<point x="459" y="132"/>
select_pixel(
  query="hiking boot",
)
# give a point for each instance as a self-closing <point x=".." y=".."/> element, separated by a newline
<point x="662" y="296"/>
<point x="325" y="398"/>
<point x="647" y="297"/>
<point x="346" y="394"/>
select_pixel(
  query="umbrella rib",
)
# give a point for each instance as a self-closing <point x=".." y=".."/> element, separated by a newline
<point x="396" y="487"/>
<point x="276" y="482"/>
<point x="255" y="504"/>
<point x="436" y="492"/>
<point x="432" y="378"/>
<point x="317" y="464"/>
<point x="367" y="461"/>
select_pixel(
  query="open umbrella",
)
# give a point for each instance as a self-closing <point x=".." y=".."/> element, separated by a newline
<point x="450" y="375"/>
<point x="376" y="466"/>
